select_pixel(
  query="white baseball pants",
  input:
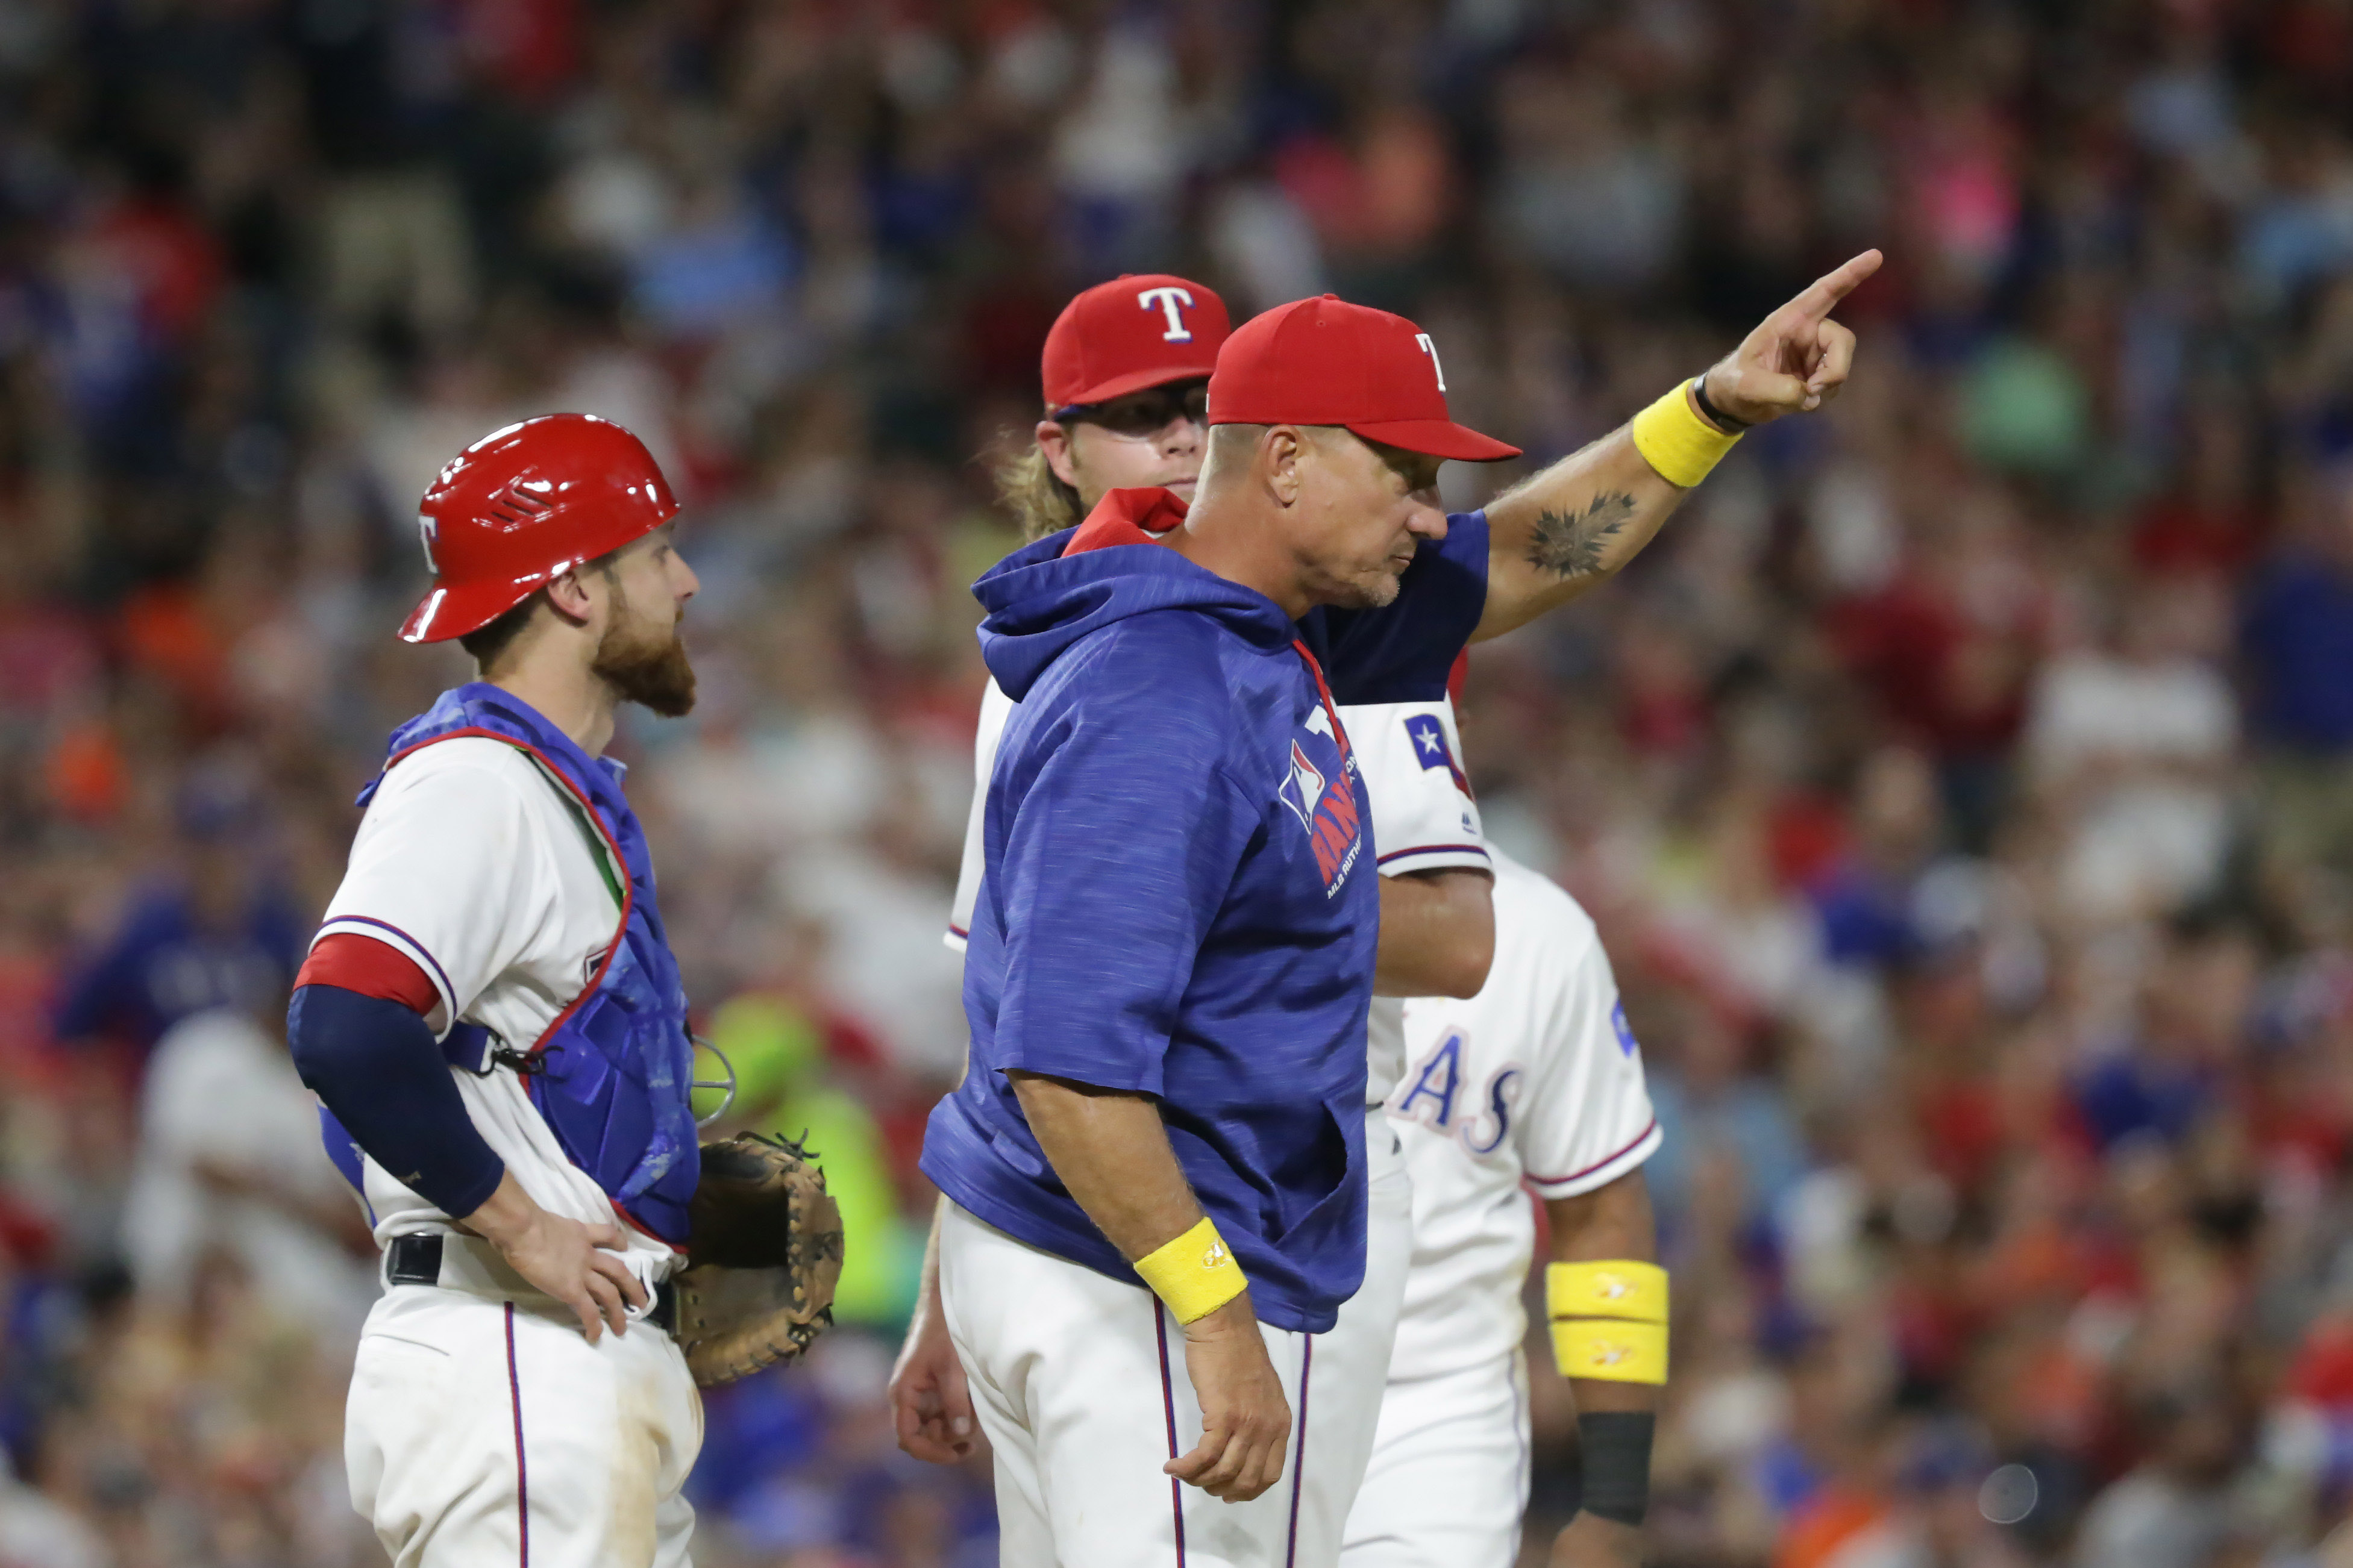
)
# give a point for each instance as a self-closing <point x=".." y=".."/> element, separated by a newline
<point x="1080" y="1383"/>
<point x="1449" y="1478"/>
<point x="489" y="1433"/>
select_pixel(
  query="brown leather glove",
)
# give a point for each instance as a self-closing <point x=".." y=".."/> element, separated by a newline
<point x="763" y="1259"/>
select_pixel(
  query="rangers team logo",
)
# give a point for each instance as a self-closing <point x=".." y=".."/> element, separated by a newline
<point x="1165" y="299"/>
<point x="1324" y="801"/>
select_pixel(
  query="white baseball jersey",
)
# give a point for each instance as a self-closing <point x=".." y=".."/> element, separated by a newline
<point x="1424" y="819"/>
<point x="471" y="863"/>
<point x="1536" y="1080"/>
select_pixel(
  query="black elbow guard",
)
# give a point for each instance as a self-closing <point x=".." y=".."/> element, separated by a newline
<point x="1616" y="1450"/>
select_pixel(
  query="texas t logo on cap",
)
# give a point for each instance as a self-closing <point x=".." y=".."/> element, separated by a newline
<point x="1168" y="298"/>
<point x="1142" y="330"/>
<point x="1326" y="362"/>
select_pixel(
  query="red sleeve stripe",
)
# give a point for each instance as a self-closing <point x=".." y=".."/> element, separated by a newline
<point x="371" y="968"/>
<point x="1601" y="1164"/>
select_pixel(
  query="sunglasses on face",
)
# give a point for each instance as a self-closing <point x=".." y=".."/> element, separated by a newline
<point x="1145" y="413"/>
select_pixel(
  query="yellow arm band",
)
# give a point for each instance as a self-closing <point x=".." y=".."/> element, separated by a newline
<point x="1196" y="1274"/>
<point x="1615" y="1289"/>
<point x="1674" y="439"/>
<point x="1611" y="1350"/>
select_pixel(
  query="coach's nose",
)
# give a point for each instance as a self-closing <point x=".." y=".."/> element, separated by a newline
<point x="1426" y="518"/>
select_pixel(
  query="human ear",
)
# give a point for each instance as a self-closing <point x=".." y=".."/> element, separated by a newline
<point x="1286" y="455"/>
<point x="1054" y="441"/>
<point x="571" y="597"/>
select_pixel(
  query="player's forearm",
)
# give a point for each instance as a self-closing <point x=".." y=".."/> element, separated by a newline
<point x="1569" y="528"/>
<point x="1437" y="933"/>
<point x="927" y="1289"/>
<point x="1578" y="522"/>
<point x="1612" y="1224"/>
<point x="1111" y="1151"/>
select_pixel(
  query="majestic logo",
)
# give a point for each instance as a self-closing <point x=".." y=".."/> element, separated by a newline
<point x="1165" y="299"/>
<point x="1430" y="750"/>
<point x="1625" y="1030"/>
<point x="429" y="532"/>
<point x="1323" y="798"/>
<point x="1432" y="350"/>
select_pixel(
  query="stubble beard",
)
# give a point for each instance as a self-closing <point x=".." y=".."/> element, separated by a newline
<point x="1374" y="590"/>
<point x="648" y="668"/>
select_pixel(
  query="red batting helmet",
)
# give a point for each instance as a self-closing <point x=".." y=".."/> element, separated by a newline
<point x="524" y="505"/>
<point x="1139" y="330"/>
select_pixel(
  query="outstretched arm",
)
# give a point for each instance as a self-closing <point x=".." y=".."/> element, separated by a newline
<point x="1559" y="533"/>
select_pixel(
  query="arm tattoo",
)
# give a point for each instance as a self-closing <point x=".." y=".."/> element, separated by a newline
<point x="1569" y="545"/>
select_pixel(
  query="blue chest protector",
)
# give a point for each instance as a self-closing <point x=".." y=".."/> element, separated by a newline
<point x="611" y="1075"/>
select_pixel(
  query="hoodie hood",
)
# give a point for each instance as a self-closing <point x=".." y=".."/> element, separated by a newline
<point x="1045" y="597"/>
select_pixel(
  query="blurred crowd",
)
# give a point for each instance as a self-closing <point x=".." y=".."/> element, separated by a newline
<point x="1964" y="784"/>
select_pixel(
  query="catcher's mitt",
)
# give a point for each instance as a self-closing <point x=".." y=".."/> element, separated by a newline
<point x="762" y="1261"/>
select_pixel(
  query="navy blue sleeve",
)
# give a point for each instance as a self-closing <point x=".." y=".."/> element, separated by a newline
<point x="376" y="1066"/>
<point x="1403" y="651"/>
<point x="1120" y="843"/>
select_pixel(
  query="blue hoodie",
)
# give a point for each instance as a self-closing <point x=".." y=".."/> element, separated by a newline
<point x="1180" y="900"/>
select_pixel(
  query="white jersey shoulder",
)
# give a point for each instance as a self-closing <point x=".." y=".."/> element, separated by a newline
<point x="996" y="707"/>
<point x="1425" y="819"/>
<point x="1536" y="1080"/>
<point x="474" y="863"/>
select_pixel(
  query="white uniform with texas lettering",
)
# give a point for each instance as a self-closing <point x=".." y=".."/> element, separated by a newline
<point x="1423" y="820"/>
<point x="1534" y="1084"/>
<point x="482" y="1428"/>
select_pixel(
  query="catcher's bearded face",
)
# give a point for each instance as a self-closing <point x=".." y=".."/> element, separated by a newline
<point x="640" y="654"/>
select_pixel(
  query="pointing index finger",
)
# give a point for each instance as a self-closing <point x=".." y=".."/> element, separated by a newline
<point x="1822" y="295"/>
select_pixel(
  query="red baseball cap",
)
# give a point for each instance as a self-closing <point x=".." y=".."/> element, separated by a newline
<point x="1326" y="362"/>
<point x="1140" y="330"/>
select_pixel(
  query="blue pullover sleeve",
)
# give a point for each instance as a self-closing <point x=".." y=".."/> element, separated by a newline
<point x="1119" y="831"/>
<point x="376" y="1066"/>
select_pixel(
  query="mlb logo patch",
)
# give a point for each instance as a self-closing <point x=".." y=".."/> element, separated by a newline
<point x="1325" y="804"/>
<point x="1430" y="750"/>
<point x="1303" y="789"/>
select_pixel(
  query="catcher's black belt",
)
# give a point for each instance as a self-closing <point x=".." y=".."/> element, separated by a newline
<point x="416" y="1261"/>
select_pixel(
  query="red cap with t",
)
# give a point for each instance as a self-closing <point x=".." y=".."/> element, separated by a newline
<point x="1140" y="329"/>
<point x="1326" y="362"/>
<point x="523" y="505"/>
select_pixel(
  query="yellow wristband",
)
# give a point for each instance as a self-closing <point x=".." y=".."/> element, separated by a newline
<point x="1196" y="1274"/>
<point x="1674" y="439"/>
<point x="1615" y="1289"/>
<point x="1609" y="1349"/>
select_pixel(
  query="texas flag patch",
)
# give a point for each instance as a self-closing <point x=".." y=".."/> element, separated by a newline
<point x="1430" y="750"/>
